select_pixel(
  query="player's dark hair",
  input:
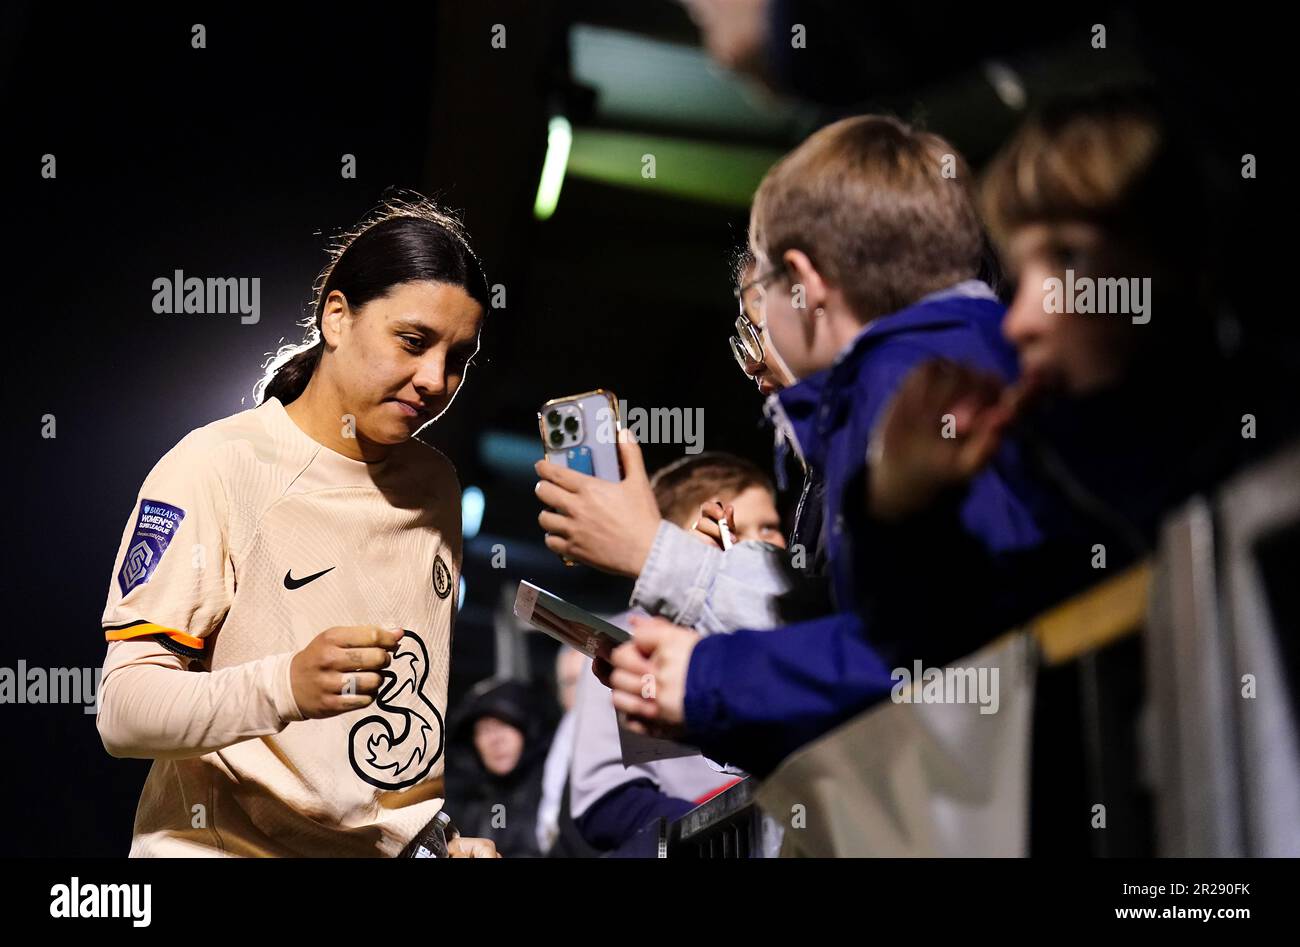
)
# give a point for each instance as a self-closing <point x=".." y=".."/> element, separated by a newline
<point x="405" y="239"/>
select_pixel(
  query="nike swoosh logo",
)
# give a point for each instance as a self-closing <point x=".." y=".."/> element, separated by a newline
<point x="291" y="583"/>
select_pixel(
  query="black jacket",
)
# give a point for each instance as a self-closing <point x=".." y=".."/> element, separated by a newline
<point x="501" y="808"/>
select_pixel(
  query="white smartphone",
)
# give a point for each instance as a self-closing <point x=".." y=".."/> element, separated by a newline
<point x="581" y="432"/>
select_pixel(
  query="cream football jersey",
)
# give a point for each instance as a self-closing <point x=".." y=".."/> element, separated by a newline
<point x="247" y="540"/>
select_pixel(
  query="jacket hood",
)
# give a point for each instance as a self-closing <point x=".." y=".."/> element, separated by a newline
<point x="800" y="411"/>
<point x="514" y="702"/>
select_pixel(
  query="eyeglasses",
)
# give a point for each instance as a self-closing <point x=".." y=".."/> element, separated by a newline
<point x="747" y="346"/>
<point x="747" y="343"/>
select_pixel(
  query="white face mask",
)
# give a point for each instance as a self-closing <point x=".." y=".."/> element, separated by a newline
<point x="773" y="357"/>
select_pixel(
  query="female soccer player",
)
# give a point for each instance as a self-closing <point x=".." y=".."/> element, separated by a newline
<point x="304" y="556"/>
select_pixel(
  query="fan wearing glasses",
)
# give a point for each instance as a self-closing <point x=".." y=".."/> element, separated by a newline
<point x="868" y="260"/>
<point x="758" y="358"/>
<point x="751" y="345"/>
<point x="616" y="527"/>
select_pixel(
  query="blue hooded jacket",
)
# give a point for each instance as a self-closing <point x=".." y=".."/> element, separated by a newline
<point x="753" y="697"/>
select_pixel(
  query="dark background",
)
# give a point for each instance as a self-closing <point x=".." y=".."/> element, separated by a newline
<point x="225" y="162"/>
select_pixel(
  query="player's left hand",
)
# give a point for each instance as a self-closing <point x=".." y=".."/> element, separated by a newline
<point x="462" y="847"/>
<point x="649" y="676"/>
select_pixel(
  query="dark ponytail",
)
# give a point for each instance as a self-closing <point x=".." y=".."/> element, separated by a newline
<point x="405" y="239"/>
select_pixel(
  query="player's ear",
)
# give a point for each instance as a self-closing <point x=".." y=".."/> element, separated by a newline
<point x="333" y="315"/>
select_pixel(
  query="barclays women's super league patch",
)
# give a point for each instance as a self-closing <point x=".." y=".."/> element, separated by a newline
<point x="154" y="529"/>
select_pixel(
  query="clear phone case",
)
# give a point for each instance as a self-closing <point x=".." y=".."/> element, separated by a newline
<point x="581" y="432"/>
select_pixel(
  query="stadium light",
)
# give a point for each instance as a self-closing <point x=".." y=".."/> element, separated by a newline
<point x="559" y="139"/>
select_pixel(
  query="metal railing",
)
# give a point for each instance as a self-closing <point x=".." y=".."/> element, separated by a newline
<point x="1197" y="755"/>
<point x="729" y="825"/>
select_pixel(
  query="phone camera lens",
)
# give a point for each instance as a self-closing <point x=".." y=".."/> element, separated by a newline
<point x="556" y="438"/>
<point x="553" y="418"/>
<point x="571" y="425"/>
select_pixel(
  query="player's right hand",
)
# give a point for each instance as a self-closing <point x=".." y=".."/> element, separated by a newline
<point x="339" y="669"/>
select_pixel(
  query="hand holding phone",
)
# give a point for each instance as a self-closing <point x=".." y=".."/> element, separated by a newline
<point x="603" y="521"/>
<point x="580" y="432"/>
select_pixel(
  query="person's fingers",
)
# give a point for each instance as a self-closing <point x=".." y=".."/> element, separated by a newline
<point x="335" y="704"/>
<point x="713" y="510"/>
<point x="557" y="498"/>
<point x="355" y="682"/>
<point x="730" y="516"/>
<point x="602" y="669"/>
<point x="905" y="403"/>
<point x="365" y="636"/>
<point x="353" y="636"/>
<point x="462" y="847"/>
<point x="554" y="524"/>
<point x="998" y="422"/>
<point x="630" y="682"/>
<point x="971" y="387"/>
<point x="971" y="394"/>
<point x="942" y="381"/>
<point x="709" y="527"/>
<point x="964" y="411"/>
<point x="629" y="658"/>
<point x="562" y="477"/>
<point x="629" y="453"/>
<point x="647" y="633"/>
<point x="982" y="442"/>
<point x="925" y="396"/>
<point x="483" y="848"/>
<point x="983" y="388"/>
<point x="1019" y="398"/>
<point x="359" y="659"/>
<point x="556" y="544"/>
<point x="923" y="377"/>
<point x="634" y="705"/>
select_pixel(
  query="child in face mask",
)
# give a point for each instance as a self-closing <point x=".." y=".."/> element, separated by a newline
<point x="611" y="802"/>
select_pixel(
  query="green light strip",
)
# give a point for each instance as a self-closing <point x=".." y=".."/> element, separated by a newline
<point x="559" y="140"/>
<point x="697" y="170"/>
